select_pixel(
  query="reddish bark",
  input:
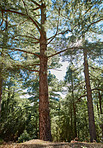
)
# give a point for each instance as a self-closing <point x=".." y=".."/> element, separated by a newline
<point x="101" y="112"/>
<point x="92" y="129"/>
<point x="100" y="102"/>
<point x="44" y="117"/>
<point x="75" y="127"/>
<point x="74" y="106"/>
<point x="0" y="93"/>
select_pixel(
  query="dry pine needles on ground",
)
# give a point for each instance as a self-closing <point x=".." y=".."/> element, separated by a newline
<point x="45" y="144"/>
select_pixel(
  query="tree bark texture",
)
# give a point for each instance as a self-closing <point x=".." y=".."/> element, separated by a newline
<point x="74" y="106"/>
<point x="100" y="102"/>
<point x="44" y="117"/>
<point x="75" y="127"/>
<point x="71" y="122"/>
<point x="0" y="92"/>
<point x="92" y="129"/>
<point x="101" y="112"/>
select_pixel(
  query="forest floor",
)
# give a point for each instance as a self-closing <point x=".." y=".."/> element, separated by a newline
<point x="44" y="144"/>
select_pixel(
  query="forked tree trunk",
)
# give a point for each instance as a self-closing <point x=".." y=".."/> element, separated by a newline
<point x="89" y="99"/>
<point x="44" y="117"/>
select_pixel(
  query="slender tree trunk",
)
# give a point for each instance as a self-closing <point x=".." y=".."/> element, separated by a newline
<point x="74" y="106"/>
<point x="36" y="126"/>
<point x="98" y="109"/>
<point x="89" y="99"/>
<point x="44" y="117"/>
<point x="71" y="123"/>
<point x="1" y="64"/>
<point x="75" y="127"/>
<point x="0" y="92"/>
<point x="100" y="104"/>
<point x="86" y="124"/>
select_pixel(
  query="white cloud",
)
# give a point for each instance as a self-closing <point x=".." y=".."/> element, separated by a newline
<point x="60" y="73"/>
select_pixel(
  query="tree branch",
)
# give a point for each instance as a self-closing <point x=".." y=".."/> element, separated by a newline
<point x="25" y="52"/>
<point x="94" y="77"/>
<point x="35" y="3"/>
<point x="36" y="8"/>
<point x="34" y="64"/>
<point x="35" y="42"/>
<point x="97" y="89"/>
<point x="96" y="68"/>
<point x="81" y="97"/>
<point x="52" y="38"/>
<point x="86" y="94"/>
<point x="22" y="22"/>
<point x="78" y="85"/>
<point x="25" y="7"/>
<point x="93" y="23"/>
<point x="27" y="68"/>
<point x="63" y="32"/>
<point x="54" y="69"/>
<point x="65" y="50"/>
<point x="27" y="36"/>
<point x="87" y="10"/>
<point x="34" y="22"/>
<point x="2" y="18"/>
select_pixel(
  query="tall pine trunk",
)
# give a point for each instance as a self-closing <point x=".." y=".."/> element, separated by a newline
<point x="44" y="117"/>
<point x="89" y="99"/>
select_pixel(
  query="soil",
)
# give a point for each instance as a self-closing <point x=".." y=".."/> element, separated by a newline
<point x="45" y="144"/>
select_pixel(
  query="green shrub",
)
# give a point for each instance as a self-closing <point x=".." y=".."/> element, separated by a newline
<point x="24" y="137"/>
<point x="1" y="141"/>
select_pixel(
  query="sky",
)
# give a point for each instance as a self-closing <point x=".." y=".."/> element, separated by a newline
<point x="60" y="72"/>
